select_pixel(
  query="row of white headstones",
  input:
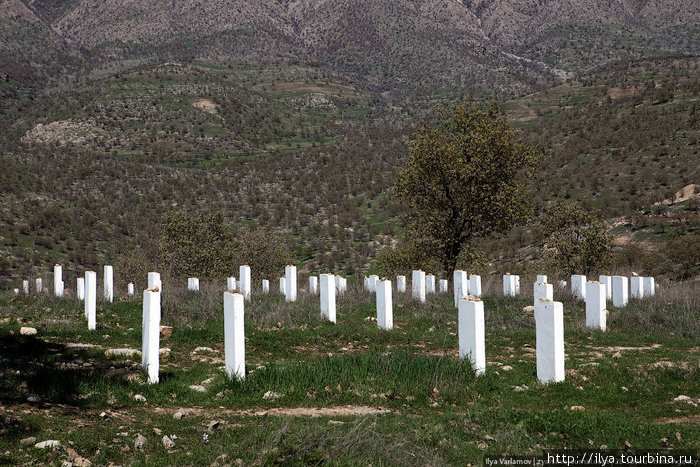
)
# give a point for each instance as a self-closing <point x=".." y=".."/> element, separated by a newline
<point x="549" y="318"/>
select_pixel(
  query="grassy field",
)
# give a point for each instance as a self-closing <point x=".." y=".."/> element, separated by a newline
<point x="348" y="393"/>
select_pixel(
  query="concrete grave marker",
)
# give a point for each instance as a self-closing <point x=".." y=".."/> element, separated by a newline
<point x="636" y="287"/>
<point x="418" y="285"/>
<point x="25" y="287"/>
<point x="648" y="286"/>
<point x="80" y="288"/>
<point x="549" y="334"/>
<point x="130" y="289"/>
<point x="460" y="286"/>
<point x="313" y="285"/>
<point x="509" y="285"/>
<point x="429" y="283"/>
<point x="283" y="286"/>
<point x="472" y="343"/>
<point x="595" y="305"/>
<point x="290" y="283"/>
<point x="265" y="286"/>
<point x="231" y="284"/>
<point x="150" y="338"/>
<point x="444" y="286"/>
<point x="400" y="283"/>
<point x="246" y="281"/>
<point x="234" y="335"/>
<point x="620" y="291"/>
<point x="193" y="284"/>
<point x="578" y="286"/>
<point x="475" y="286"/>
<point x="109" y="283"/>
<point x="607" y="281"/>
<point x="39" y="285"/>
<point x="543" y="291"/>
<point x="373" y="279"/>
<point x="154" y="281"/>
<point x="385" y="316"/>
<point x="541" y="278"/>
<point x="328" y="297"/>
<point x="91" y="299"/>
<point x="58" y="280"/>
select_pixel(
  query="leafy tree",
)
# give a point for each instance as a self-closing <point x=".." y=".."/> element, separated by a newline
<point x="577" y="242"/>
<point x="463" y="180"/>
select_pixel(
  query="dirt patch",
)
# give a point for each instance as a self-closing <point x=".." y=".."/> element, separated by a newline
<point x="618" y="349"/>
<point x="686" y="420"/>
<point x="206" y="105"/>
<point x="617" y="93"/>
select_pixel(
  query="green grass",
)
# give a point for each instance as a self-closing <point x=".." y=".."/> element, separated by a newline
<point x="435" y="410"/>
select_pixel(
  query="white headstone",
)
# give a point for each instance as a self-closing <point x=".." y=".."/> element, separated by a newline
<point x="39" y="285"/>
<point x="373" y="279"/>
<point x="429" y="283"/>
<point x="150" y="353"/>
<point x="459" y="285"/>
<point x="25" y="287"/>
<point x="508" y="285"/>
<point x="385" y="316"/>
<point x="607" y="280"/>
<point x="562" y="284"/>
<point x="91" y="299"/>
<point x="595" y="305"/>
<point x="418" y="285"/>
<point x="109" y="283"/>
<point x="443" y="285"/>
<point x="341" y="284"/>
<point x="517" y="284"/>
<point x="130" y="289"/>
<point x="16" y="291"/>
<point x="400" y="283"/>
<point x="313" y="285"/>
<point x="58" y="280"/>
<point x="193" y="284"/>
<point x="290" y="283"/>
<point x="472" y="341"/>
<point x="234" y="335"/>
<point x="265" y="286"/>
<point x="231" y="284"/>
<point x="80" y="288"/>
<point x="636" y="287"/>
<point x="475" y="286"/>
<point x="328" y="297"/>
<point x="541" y="278"/>
<point x="283" y="287"/>
<point x="549" y="332"/>
<point x="246" y="281"/>
<point x="649" y="287"/>
<point x="543" y="291"/>
<point x="620" y="290"/>
<point x="578" y="286"/>
<point x="154" y="281"/>
<point x="366" y="283"/>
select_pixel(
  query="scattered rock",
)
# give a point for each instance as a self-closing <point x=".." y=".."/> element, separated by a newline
<point x="111" y="353"/>
<point x="204" y="349"/>
<point x="51" y="443"/>
<point x="213" y="426"/>
<point x="335" y="422"/>
<point x="34" y="399"/>
<point x="520" y="388"/>
<point x="140" y="442"/>
<point x="271" y="395"/>
<point x="179" y="414"/>
<point x="529" y="309"/>
<point x="168" y="443"/>
<point x="686" y="399"/>
<point x="624" y="389"/>
<point x="76" y="459"/>
<point x="617" y="355"/>
<point x="506" y="368"/>
<point x="198" y="388"/>
<point x="166" y="331"/>
<point x="140" y="398"/>
<point x="157" y="431"/>
<point x="28" y="441"/>
<point x="164" y="352"/>
<point x="577" y="407"/>
<point x="104" y="416"/>
<point x="27" y="331"/>
<point x="207" y="382"/>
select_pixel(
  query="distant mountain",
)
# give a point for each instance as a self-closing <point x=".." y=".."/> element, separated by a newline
<point x="505" y="46"/>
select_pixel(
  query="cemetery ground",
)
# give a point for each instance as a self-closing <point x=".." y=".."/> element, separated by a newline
<point x="346" y="393"/>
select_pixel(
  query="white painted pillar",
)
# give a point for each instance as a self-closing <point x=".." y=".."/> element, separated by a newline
<point x="246" y="281"/>
<point x="366" y="283"/>
<point x="80" y="288"/>
<point x="516" y="282"/>
<point x="649" y="287"/>
<point x="58" y="280"/>
<point x="154" y="281"/>
<point x="595" y="305"/>
<point x="472" y="340"/>
<point x="385" y="313"/>
<point x="150" y="354"/>
<point x="25" y="287"/>
<point x="543" y="291"/>
<point x="607" y="281"/>
<point x="234" y="335"/>
<point x="283" y="287"/>
<point x="620" y="290"/>
<point x="39" y="285"/>
<point x="328" y="297"/>
<point x="508" y="285"/>
<point x="418" y="285"/>
<point x="313" y="285"/>
<point x="91" y="299"/>
<point x="109" y="283"/>
<point x="373" y="279"/>
<point x="636" y="287"/>
<point x="341" y="284"/>
<point x="541" y="278"/>
<point x="429" y="283"/>
<point x="443" y="286"/>
<point x="475" y="286"/>
<point x="562" y="284"/>
<point x="290" y="283"/>
<point x="549" y="331"/>
<point x="459" y="285"/>
<point x="578" y="286"/>
<point x="130" y="289"/>
<point x="265" y="286"/>
<point x="193" y="284"/>
<point x="231" y="284"/>
<point x="401" y="283"/>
